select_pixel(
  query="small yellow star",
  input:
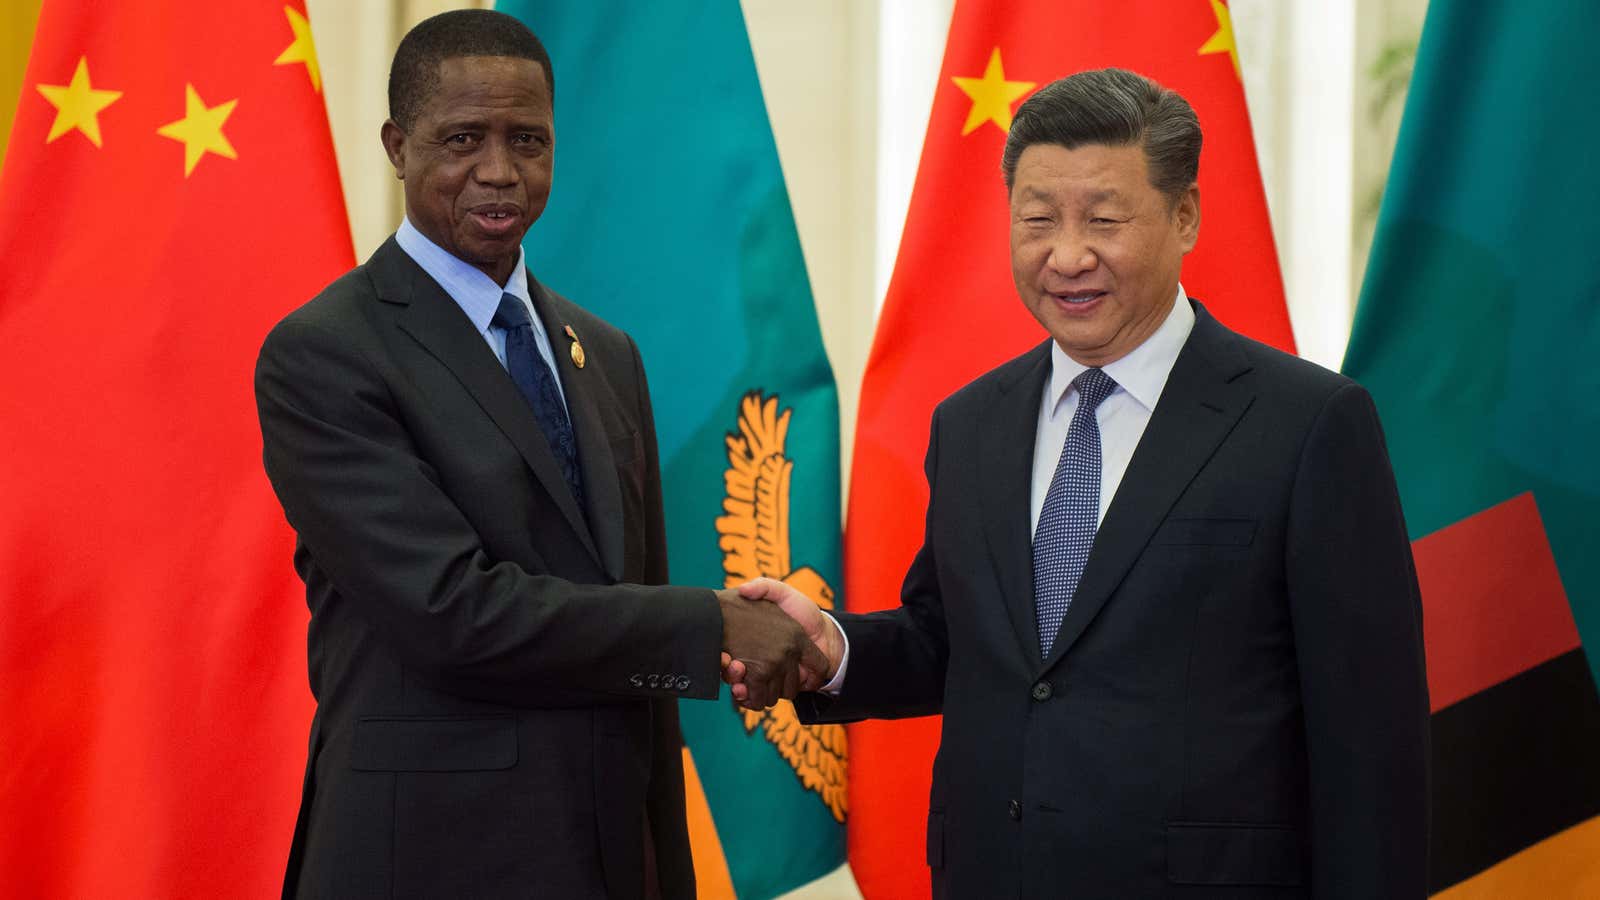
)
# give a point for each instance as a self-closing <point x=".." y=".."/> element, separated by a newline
<point x="303" y="50"/>
<point x="992" y="96"/>
<point x="200" y="129"/>
<point x="77" y="104"/>
<point x="1222" y="41"/>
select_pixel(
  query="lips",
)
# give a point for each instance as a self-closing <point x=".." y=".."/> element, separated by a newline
<point x="1078" y="299"/>
<point x="496" y="218"/>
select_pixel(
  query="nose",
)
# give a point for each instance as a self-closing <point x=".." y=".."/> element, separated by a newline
<point x="495" y="167"/>
<point x="1071" y="255"/>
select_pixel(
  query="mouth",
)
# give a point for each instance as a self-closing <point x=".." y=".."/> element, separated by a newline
<point x="1077" y="301"/>
<point x="495" y="219"/>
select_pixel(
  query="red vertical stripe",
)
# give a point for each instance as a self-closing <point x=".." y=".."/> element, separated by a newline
<point x="1492" y="602"/>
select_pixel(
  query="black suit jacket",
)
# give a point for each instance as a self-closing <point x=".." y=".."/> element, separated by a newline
<point x="1235" y="705"/>
<point x="496" y="689"/>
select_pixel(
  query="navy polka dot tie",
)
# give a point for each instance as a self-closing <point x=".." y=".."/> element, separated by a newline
<point x="1071" y="512"/>
<point x="538" y="385"/>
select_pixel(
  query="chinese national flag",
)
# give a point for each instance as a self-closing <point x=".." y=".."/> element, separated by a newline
<point x="169" y="192"/>
<point x="952" y="313"/>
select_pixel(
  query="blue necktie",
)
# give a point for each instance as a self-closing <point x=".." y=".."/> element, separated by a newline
<point x="538" y="385"/>
<point x="1071" y="512"/>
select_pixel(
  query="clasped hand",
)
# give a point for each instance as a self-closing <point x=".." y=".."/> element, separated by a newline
<point x="776" y="643"/>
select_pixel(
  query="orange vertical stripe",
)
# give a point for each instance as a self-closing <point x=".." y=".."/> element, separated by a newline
<point x="711" y="876"/>
<point x="1557" y="868"/>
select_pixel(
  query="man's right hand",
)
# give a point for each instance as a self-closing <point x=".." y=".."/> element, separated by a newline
<point x="821" y="631"/>
<point x="770" y="648"/>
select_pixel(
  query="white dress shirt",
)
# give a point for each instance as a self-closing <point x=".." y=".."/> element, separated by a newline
<point x="1122" y="416"/>
<point x="1140" y="376"/>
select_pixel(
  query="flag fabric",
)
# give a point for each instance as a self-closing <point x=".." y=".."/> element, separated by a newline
<point x="670" y="218"/>
<point x="17" y="19"/>
<point x="1477" y="333"/>
<point x="169" y="192"/>
<point x="952" y="313"/>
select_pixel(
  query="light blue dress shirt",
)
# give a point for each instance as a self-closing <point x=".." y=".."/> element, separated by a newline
<point x="477" y="294"/>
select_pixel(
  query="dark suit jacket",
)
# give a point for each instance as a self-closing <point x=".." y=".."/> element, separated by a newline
<point x="1235" y="706"/>
<point x="496" y="691"/>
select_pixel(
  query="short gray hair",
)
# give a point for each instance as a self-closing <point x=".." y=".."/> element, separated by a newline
<point x="1117" y="108"/>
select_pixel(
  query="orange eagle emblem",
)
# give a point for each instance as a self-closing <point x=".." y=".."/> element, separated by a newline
<point x="754" y="537"/>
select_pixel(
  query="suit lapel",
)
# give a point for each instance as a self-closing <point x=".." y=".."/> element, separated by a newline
<point x="434" y="321"/>
<point x="600" y="488"/>
<point x="1006" y="441"/>
<point x="1200" y="404"/>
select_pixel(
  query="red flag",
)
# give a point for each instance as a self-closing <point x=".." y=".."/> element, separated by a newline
<point x="952" y="312"/>
<point x="169" y="193"/>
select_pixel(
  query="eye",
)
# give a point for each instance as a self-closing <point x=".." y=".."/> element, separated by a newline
<point x="462" y="139"/>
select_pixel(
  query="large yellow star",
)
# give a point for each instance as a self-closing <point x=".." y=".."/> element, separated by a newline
<point x="77" y="104"/>
<point x="1222" y="41"/>
<point x="303" y="50"/>
<point x="992" y="96"/>
<point x="200" y="129"/>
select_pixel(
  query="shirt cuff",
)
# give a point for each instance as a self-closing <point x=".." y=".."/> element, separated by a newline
<point x="836" y="683"/>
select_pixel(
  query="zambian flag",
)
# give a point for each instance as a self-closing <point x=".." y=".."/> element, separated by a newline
<point x="1478" y="333"/>
<point x="669" y="217"/>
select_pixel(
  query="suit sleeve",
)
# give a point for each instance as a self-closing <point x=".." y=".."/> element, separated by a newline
<point x="668" y="827"/>
<point x="897" y="656"/>
<point x="376" y="519"/>
<point x="1357" y="620"/>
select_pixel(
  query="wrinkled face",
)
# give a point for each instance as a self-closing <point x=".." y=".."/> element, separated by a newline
<point x="1095" y="249"/>
<point x="477" y="161"/>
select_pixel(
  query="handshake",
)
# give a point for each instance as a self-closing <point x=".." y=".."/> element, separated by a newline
<point x="776" y="643"/>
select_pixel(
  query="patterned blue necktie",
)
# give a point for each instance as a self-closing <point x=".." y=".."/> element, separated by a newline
<point x="538" y="385"/>
<point x="1071" y="512"/>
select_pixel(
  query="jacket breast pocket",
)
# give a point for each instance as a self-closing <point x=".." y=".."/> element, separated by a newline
<point x="434" y="743"/>
<point x="1215" y="853"/>
<point x="1194" y="532"/>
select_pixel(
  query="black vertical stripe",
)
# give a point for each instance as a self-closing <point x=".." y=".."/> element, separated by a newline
<point x="1512" y="765"/>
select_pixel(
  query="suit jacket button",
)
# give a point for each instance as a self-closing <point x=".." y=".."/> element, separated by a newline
<point x="1016" y="811"/>
<point x="683" y="682"/>
<point x="1041" y="691"/>
<point x="636" y="680"/>
<point x="654" y="681"/>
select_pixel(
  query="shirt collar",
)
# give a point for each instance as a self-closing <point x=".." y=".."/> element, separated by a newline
<point x="476" y="293"/>
<point x="1143" y="372"/>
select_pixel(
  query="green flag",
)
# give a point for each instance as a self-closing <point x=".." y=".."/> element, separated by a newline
<point x="669" y="217"/>
<point x="1478" y="332"/>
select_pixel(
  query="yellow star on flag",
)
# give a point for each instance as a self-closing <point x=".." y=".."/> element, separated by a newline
<point x="1222" y="41"/>
<point x="992" y="96"/>
<point x="77" y="104"/>
<point x="200" y="129"/>
<point x="303" y="50"/>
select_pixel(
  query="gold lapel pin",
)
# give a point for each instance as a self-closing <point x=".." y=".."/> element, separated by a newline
<point x="577" y="348"/>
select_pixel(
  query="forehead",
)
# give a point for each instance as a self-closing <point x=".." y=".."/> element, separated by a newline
<point x="480" y="83"/>
<point x="1098" y="169"/>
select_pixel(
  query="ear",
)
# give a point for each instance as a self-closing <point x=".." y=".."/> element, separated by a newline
<point x="394" y="144"/>
<point x="1188" y="217"/>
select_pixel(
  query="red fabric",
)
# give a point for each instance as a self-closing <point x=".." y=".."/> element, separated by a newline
<point x="1468" y="571"/>
<point x="153" y="699"/>
<point x="952" y="313"/>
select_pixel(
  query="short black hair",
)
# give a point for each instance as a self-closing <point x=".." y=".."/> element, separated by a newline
<point x="414" y="74"/>
<point x="1117" y="108"/>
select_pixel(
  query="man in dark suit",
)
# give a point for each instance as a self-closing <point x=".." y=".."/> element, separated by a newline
<point x="1165" y="599"/>
<point x="469" y="461"/>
